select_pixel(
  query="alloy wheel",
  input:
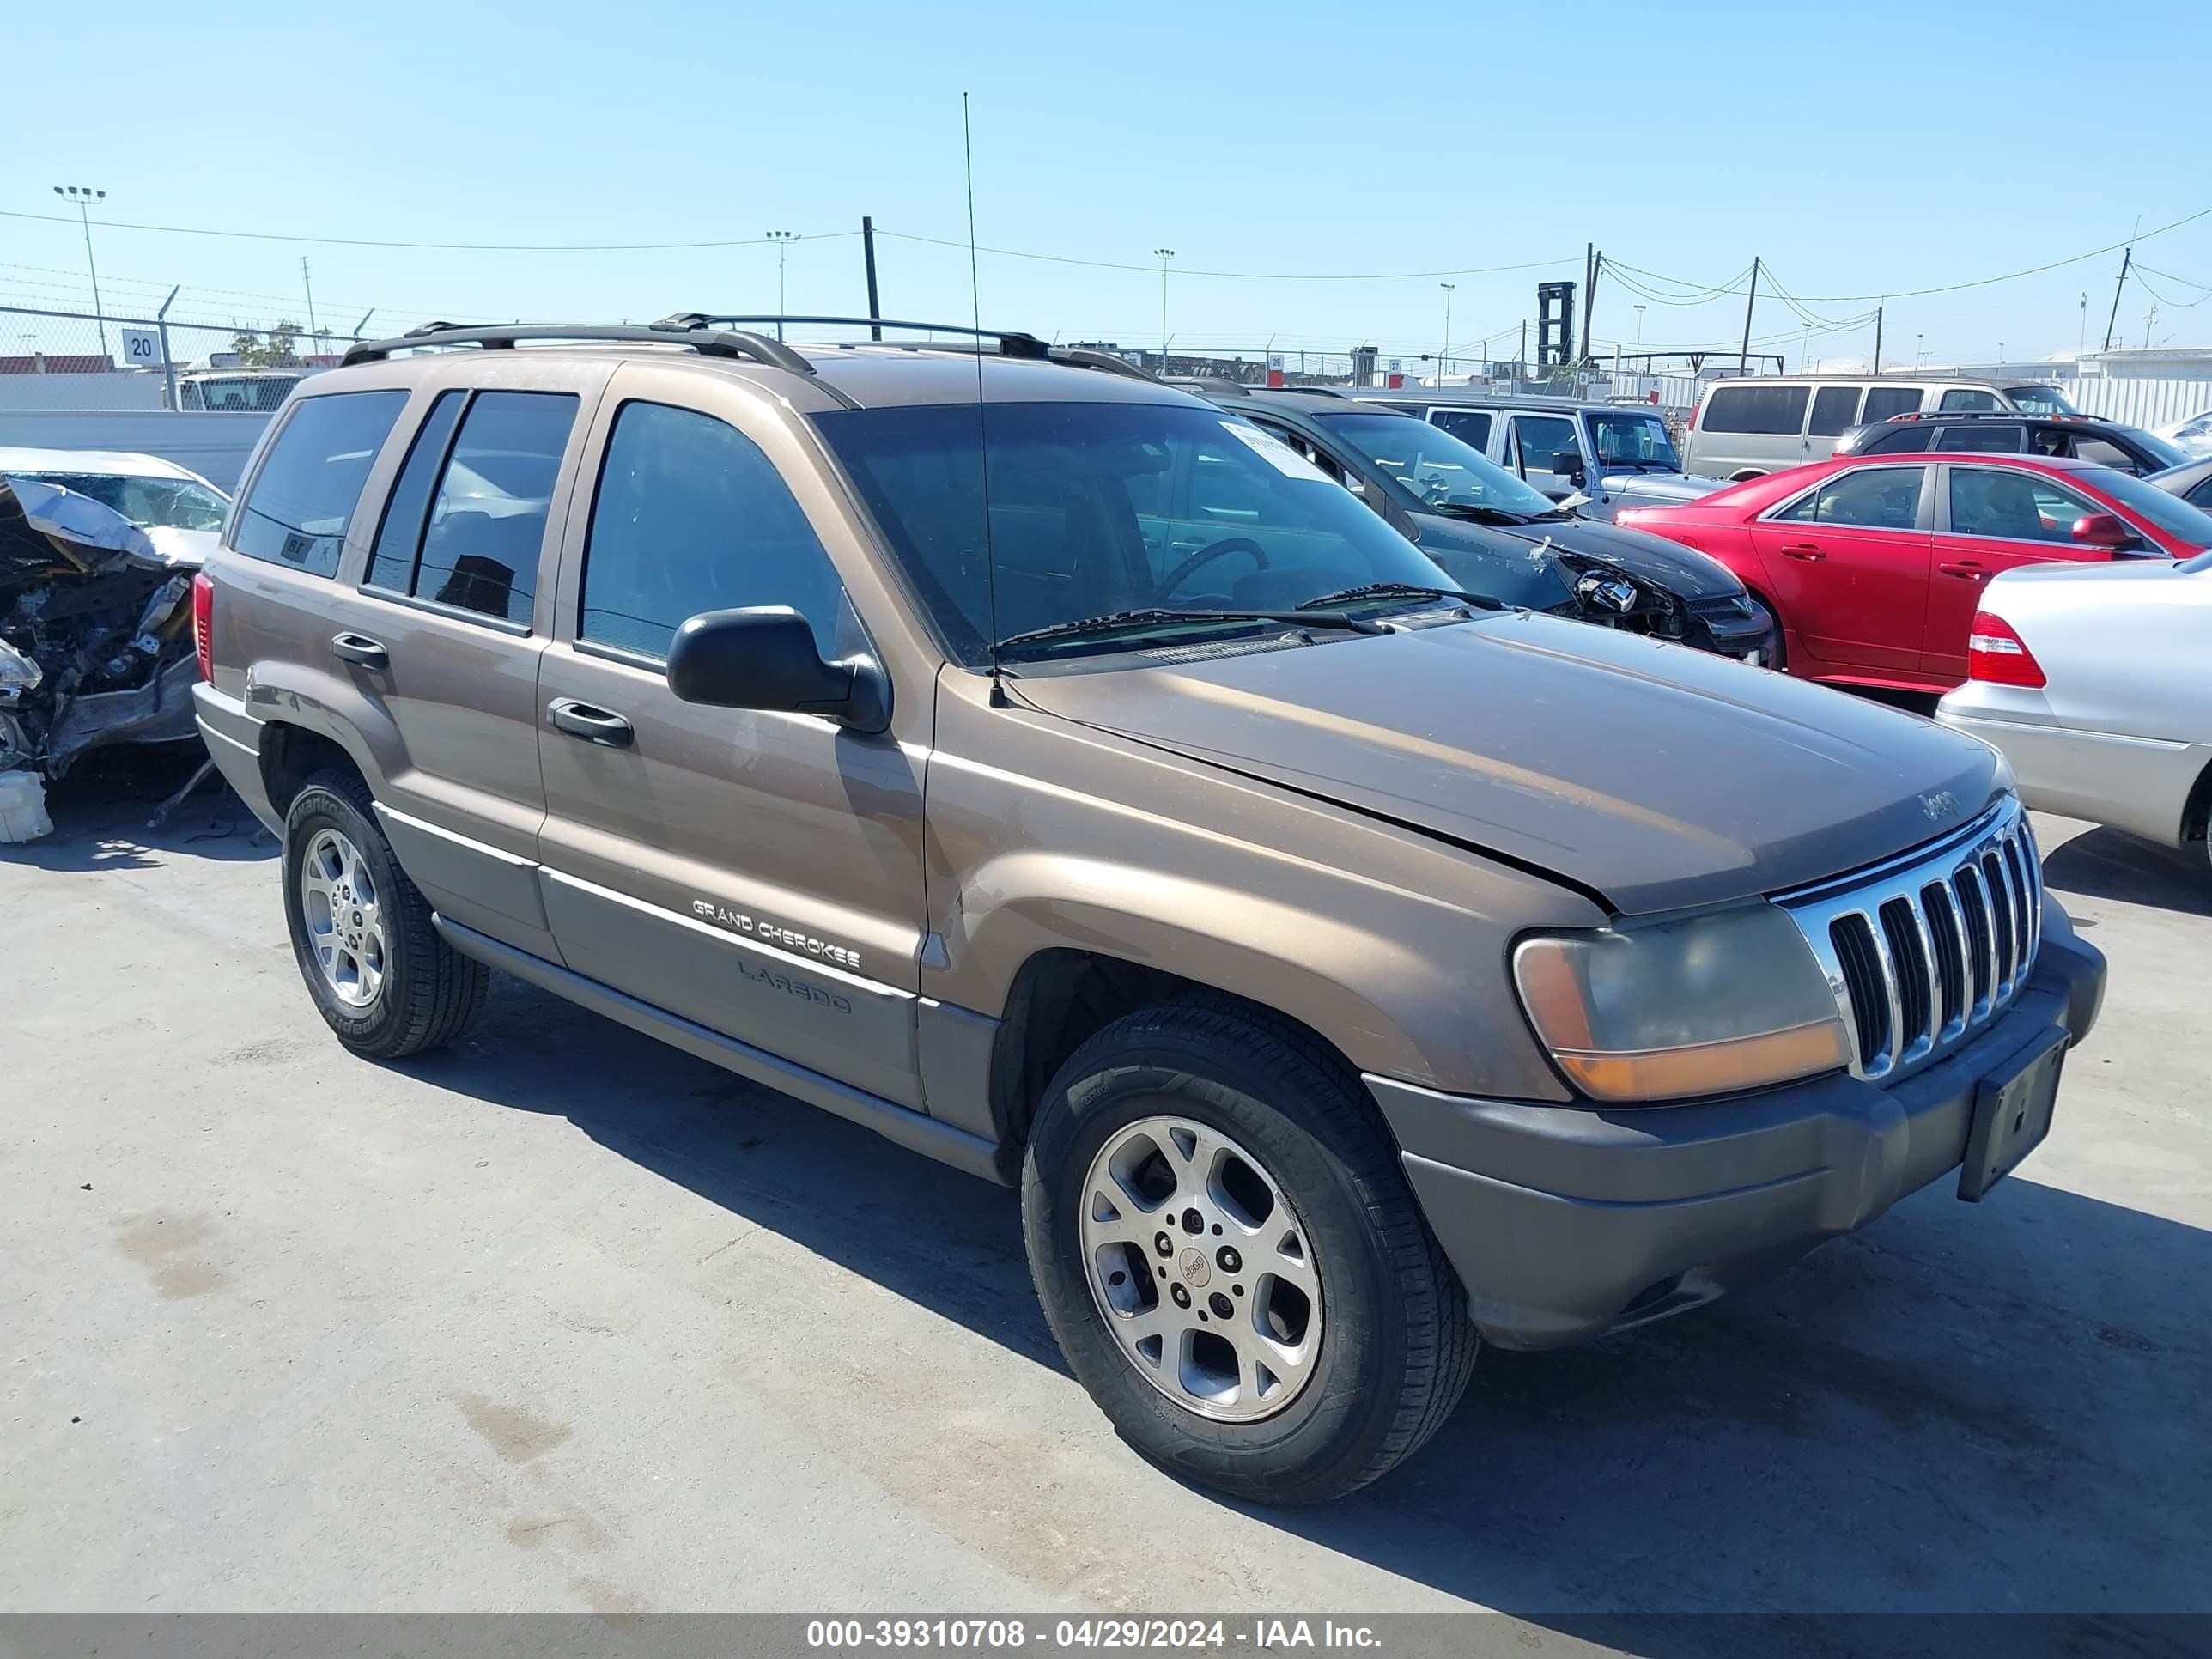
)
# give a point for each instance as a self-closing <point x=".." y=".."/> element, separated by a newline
<point x="339" y="909"/>
<point x="1201" y="1269"/>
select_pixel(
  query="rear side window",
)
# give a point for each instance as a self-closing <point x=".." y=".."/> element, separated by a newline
<point x="1873" y="498"/>
<point x="309" y="484"/>
<point x="1470" y="426"/>
<point x="1982" y="437"/>
<point x="1835" y="411"/>
<point x="1902" y="440"/>
<point x="1967" y="400"/>
<point x="400" y="537"/>
<point x="477" y="547"/>
<point x="1770" y="408"/>
<point x="691" y="517"/>
<point x="1885" y="402"/>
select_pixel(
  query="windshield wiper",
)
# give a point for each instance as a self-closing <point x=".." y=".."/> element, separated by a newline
<point x="1475" y="510"/>
<point x="1402" y="591"/>
<point x="1114" y="621"/>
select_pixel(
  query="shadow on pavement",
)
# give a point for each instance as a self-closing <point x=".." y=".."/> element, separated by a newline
<point x="101" y="811"/>
<point x="1976" y="1408"/>
<point x="2112" y="863"/>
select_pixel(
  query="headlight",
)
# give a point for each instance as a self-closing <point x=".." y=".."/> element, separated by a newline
<point x="1705" y="1005"/>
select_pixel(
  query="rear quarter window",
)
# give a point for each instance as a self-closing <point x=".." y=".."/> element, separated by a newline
<point x="309" y="484"/>
<point x="1767" y="409"/>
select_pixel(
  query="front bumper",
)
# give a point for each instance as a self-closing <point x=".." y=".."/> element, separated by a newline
<point x="1566" y="1222"/>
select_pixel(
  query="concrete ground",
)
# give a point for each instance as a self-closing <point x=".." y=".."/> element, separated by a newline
<point x="566" y="1320"/>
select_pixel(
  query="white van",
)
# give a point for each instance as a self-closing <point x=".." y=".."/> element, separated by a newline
<point x="1744" y="428"/>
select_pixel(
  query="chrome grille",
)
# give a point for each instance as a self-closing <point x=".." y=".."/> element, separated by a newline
<point x="1925" y="949"/>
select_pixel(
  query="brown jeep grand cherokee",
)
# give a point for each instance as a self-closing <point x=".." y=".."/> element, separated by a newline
<point x="1053" y="772"/>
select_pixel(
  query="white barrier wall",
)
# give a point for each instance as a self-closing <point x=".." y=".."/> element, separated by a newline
<point x="215" y="446"/>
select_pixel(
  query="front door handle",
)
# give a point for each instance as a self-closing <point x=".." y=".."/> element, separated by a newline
<point x="590" y="723"/>
<point x="1968" y="569"/>
<point x="1804" y="550"/>
<point x="359" y="650"/>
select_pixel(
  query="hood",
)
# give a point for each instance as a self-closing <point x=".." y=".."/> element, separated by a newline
<point x="1682" y="571"/>
<point x="1499" y="560"/>
<point x="42" y="524"/>
<point x="1655" y="775"/>
<point x="1658" y="489"/>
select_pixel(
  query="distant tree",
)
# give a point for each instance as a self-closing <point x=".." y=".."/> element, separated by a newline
<point x="273" y="349"/>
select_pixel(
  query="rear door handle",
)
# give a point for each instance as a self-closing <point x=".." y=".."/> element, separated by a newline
<point x="1804" y="550"/>
<point x="359" y="649"/>
<point x="1968" y="569"/>
<point x="590" y="722"/>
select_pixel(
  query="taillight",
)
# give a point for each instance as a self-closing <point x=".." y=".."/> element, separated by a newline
<point x="203" y="623"/>
<point x="1998" y="655"/>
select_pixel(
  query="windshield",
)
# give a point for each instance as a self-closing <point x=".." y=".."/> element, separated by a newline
<point x="1631" y="438"/>
<point x="1440" y="470"/>
<point x="2170" y="513"/>
<point x="149" y="503"/>
<point x="1099" y="509"/>
<point x="2164" y="453"/>
<point x="2040" y="400"/>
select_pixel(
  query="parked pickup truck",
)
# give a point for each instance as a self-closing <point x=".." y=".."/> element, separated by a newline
<point x="1602" y="457"/>
<point x="1345" y="969"/>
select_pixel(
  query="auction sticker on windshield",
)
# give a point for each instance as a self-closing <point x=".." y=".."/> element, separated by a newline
<point x="1273" y="450"/>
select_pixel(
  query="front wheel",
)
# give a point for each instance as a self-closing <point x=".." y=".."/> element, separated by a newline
<point x="1231" y="1261"/>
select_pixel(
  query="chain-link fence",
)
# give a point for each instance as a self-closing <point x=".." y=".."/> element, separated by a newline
<point x="73" y="360"/>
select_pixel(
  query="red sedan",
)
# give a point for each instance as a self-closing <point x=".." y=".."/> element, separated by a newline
<point x="1874" y="564"/>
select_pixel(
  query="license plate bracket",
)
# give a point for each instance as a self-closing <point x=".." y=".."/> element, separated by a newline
<point x="2013" y="1108"/>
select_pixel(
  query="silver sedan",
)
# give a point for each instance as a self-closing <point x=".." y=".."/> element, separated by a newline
<point x="2096" y="682"/>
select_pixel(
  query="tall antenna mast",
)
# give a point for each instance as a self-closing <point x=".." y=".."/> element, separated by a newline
<point x="982" y="430"/>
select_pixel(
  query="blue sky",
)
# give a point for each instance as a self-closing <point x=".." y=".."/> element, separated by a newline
<point x="1861" y="150"/>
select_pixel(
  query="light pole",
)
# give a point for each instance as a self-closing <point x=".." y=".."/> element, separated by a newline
<point x="1444" y="364"/>
<point x="84" y="196"/>
<point x="1164" y="254"/>
<point x="783" y="240"/>
<point x="1639" y="330"/>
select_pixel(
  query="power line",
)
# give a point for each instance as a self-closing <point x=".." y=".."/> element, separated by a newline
<point x="429" y="247"/>
<point x="1238" y="275"/>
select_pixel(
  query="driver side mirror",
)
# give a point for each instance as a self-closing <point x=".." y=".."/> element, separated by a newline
<point x="2106" y="531"/>
<point x="765" y="657"/>
<point x="1568" y="464"/>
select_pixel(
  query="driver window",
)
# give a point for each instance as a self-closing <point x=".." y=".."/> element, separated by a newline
<point x="1538" y="437"/>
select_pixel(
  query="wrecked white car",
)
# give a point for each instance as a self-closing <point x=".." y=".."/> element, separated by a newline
<point x="97" y="554"/>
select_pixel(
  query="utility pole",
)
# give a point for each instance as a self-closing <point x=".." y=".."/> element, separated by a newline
<point x="1743" y="357"/>
<point x="1639" y="329"/>
<point x="783" y="240"/>
<point x="1443" y="365"/>
<point x="1521" y="357"/>
<point x="308" y="282"/>
<point x="84" y="196"/>
<point x="1164" y="254"/>
<point x="868" y="251"/>
<point x="2126" y="260"/>
<point x="1877" y="339"/>
<point x="1591" y="259"/>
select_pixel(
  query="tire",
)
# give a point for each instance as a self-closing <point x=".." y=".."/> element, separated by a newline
<point x="1781" y="663"/>
<point x="1392" y="1345"/>
<point x="409" y="991"/>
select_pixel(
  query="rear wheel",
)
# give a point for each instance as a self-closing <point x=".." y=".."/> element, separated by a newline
<point x="383" y="980"/>
<point x="1229" y="1255"/>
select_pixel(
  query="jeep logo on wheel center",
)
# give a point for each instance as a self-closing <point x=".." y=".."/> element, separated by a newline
<point x="1195" y="1271"/>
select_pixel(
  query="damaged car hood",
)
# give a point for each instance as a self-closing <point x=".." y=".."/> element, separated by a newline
<point x="41" y="522"/>
<point x="1682" y="571"/>
<point x="1657" y="775"/>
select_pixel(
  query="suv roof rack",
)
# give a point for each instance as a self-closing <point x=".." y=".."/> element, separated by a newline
<point x="1990" y="415"/>
<point x="503" y="336"/>
<point x="1012" y="343"/>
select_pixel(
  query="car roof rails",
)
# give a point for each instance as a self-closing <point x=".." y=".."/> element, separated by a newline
<point x="1012" y="343"/>
<point x="503" y="336"/>
<point x="1992" y="415"/>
